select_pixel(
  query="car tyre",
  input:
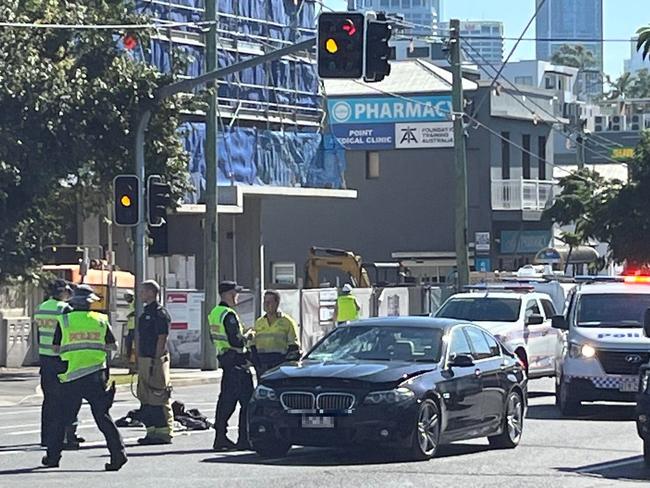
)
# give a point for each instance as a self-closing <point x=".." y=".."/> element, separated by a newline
<point x="513" y="423"/>
<point x="568" y="404"/>
<point x="275" y="448"/>
<point x="426" y="436"/>
<point x="646" y="452"/>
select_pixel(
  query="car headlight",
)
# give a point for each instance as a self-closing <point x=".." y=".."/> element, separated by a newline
<point x="581" y="351"/>
<point x="265" y="393"/>
<point x="398" y="395"/>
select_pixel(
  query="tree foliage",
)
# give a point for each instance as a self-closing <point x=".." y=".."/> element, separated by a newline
<point x="613" y="212"/>
<point x="630" y="85"/>
<point x="643" y="44"/>
<point x="68" y="103"/>
<point x="575" y="56"/>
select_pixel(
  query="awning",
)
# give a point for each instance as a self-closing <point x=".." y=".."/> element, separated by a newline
<point x="580" y="255"/>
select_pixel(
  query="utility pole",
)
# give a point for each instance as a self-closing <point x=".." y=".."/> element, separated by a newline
<point x="580" y="144"/>
<point x="211" y="223"/>
<point x="461" y="221"/>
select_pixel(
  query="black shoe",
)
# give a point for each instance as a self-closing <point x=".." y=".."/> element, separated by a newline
<point x="71" y="446"/>
<point x="117" y="461"/>
<point x="243" y="446"/>
<point x="49" y="462"/>
<point x="223" y="444"/>
<point x="78" y="439"/>
<point x="154" y="441"/>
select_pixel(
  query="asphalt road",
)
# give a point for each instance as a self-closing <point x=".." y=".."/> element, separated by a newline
<point x="599" y="449"/>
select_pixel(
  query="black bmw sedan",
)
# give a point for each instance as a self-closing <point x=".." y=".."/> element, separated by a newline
<point x="411" y="383"/>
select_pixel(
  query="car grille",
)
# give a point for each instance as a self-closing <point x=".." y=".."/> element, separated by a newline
<point x="298" y="400"/>
<point x="622" y="362"/>
<point x="335" y="401"/>
<point x="304" y="400"/>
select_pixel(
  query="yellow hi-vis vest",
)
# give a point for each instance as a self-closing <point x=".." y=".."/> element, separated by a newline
<point x="218" y="329"/>
<point x="83" y="344"/>
<point x="47" y="317"/>
<point x="347" y="308"/>
<point x="275" y="337"/>
<point x="130" y="321"/>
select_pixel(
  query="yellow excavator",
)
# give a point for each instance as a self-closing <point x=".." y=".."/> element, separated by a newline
<point x="352" y="265"/>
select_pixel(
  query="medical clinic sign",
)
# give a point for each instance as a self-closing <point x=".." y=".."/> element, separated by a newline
<point x="392" y="123"/>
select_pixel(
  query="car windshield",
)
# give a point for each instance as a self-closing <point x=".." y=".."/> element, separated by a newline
<point x="481" y="309"/>
<point x="612" y="310"/>
<point x="380" y="343"/>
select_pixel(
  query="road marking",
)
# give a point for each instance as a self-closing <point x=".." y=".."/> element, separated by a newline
<point x="19" y="426"/>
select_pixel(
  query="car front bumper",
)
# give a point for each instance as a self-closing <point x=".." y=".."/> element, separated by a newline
<point x="604" y="389"/>
<point x="642" y="415"/>
<point x="389" y="425"/>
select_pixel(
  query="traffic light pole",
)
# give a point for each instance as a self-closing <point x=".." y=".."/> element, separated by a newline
<point x="143" y="124"/>
<point x="461" y="225"/>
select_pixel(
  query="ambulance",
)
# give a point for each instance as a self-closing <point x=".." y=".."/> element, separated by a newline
<point x="601" y="345"/>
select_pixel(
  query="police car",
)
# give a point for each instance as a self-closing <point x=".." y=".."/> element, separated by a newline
<point x="515" y="314"/>
<point x="601" y="344"/>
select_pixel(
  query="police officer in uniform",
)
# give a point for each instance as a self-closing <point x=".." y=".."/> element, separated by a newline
<point x="46" y="318"/>
<point x="236" y="382"/>
<point x="83" y="339"/>
<point x="276" y="336"/>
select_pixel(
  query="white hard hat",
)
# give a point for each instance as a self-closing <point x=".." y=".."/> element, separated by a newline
<point x="347" y="288"/>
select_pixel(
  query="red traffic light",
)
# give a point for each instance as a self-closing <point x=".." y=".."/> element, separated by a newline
<point x="349" y="27"/>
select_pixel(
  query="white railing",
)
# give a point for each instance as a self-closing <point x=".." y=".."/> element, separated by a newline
<point x="521" y="194"/>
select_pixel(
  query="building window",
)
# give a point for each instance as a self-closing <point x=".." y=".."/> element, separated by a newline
<point x="384" y="3"/>
<point x="406" y="3"/>
<point x="525" y="156"/>
<point x="541" y="152"/>
<point x="283" y="273"/>
<point x="372" y="165"/>
<point x="505" y="155"/>
<point x="522" y="80"/>
<point x="550" y="83"/>
<point x="418" y="52"/>
<point x="394" y="3"/>
<point x="393" y="53"/>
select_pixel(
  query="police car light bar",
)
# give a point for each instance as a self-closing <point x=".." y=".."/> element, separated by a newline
<point x="637" y="279"/>
<point x="522" y="288"/>
<point x="598" y="279"/>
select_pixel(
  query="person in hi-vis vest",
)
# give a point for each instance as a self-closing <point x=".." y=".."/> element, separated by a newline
<point x="347" y="308"/>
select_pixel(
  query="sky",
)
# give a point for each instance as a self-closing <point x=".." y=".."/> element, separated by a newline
<point x="621" y="20"/>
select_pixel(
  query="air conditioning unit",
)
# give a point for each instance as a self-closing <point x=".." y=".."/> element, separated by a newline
<point x="636" y="122"/>
<point x="601" y="123"/>
<point x="618" y="123"/>
<point x="646" y="121"/>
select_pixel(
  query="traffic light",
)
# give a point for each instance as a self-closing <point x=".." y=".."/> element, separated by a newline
<point x="378" y="33"/>
<point x="340" y="45"/>
<point x="126" y="200"/>
<point x="159" y="196"/>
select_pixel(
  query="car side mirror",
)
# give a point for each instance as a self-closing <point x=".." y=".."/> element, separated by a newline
<point x="646" y="323"/>
<point x="535" y="319"/>
<point x="559" y="322"/>
<point x="461" y="361"/>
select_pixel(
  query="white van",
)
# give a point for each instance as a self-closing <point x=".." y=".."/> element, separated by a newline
<point x="517" y="315"/>
<point x="601" y="345"/>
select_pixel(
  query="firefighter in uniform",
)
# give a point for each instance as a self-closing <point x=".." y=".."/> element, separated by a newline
<point x="83" y="339"/>
<point x="230" y="342"/>
<point x="347" y="308"/>
<point x="46" y="318"/>
<point x="276" y="336"/>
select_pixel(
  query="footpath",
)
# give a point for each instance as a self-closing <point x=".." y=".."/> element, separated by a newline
<point x="19" y="386"/>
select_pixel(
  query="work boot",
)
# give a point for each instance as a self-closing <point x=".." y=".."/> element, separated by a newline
<point x="48" y="462"/>
<point x="118" y="460"/>
<point x="154" y="441"/>
<point x="222" y="443"/>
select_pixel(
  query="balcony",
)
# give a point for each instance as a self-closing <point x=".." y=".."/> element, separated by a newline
<point x="522" y="195"/>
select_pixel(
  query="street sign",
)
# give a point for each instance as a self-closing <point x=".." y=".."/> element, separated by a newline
<point x="548" y="255"/>
<point x="483" y="265"/>
<point x="482" y="242"/>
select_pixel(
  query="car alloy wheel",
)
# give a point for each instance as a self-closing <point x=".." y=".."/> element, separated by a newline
<point x="513" y="423"/>
<point x="427" y="434"/>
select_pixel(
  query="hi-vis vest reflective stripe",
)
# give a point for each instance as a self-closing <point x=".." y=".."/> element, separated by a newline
<point x="218" y="330"/>
<point x="47" y="317"/>
<point x="83" y="344"/>
<point x="347" y="306"/>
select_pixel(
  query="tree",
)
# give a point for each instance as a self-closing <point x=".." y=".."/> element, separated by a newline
<point x="643" y="44"/>
<point x="620" y="88"/>
<point x="575" y="56"/>
<point x="69" y="101"/>
<point x="641" y="85"/>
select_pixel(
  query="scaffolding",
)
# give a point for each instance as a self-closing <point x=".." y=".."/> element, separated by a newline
<point x="270" y="116"/>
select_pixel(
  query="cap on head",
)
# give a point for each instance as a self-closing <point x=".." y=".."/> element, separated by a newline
<point x="152" y="285"/>
<point x="58" y="286"/>
<point x="128" y="294"/>
<point x="226" y="286"/>
<point x="347" y="288"/>
<point x="84" y="294"/>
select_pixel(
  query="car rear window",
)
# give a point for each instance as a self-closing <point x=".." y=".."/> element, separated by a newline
<point x="477" y="309"/>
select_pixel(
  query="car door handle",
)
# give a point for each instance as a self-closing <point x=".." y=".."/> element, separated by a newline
<point x="477" y="373"/>
<point x="504" y="366"/>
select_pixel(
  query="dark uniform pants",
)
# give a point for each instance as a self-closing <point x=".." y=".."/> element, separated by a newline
<point x="92" y="388"/>
<point x="269" y="360"/>
<point x="50" y="411"/>
<point x="236" y="387"/>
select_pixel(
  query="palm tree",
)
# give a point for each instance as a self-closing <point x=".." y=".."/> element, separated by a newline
<point x="576" y="56"/>
<point x="644" y="41"/>
<point x="620" y="88"/>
